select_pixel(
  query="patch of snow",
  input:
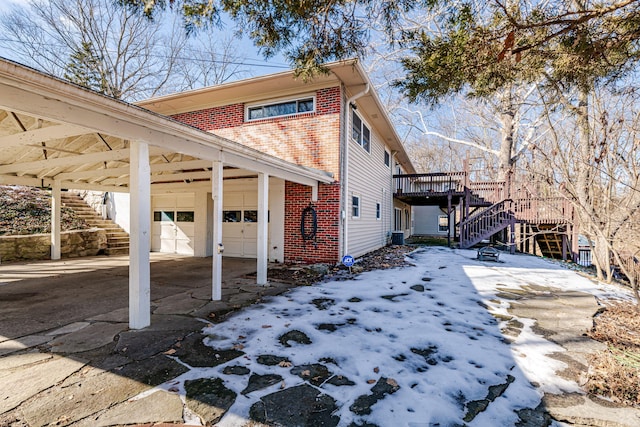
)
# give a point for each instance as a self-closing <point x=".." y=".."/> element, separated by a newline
<point x="442" y="346"/>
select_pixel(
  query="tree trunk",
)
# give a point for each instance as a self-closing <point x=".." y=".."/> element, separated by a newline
<point x="507" y="120"/>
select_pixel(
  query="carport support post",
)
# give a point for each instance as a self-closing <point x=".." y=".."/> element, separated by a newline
<point x="216" y="195"/>
<point x="263" y="228"/>
<point x="55" y="220"/>
<point x="139" y="244"/>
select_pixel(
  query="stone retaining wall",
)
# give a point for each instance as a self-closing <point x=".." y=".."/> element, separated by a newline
<point x="38" y="246"/>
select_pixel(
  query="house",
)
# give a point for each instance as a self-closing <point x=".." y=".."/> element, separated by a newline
<point x="335" y="123"/>
<point x="287" y="170"/>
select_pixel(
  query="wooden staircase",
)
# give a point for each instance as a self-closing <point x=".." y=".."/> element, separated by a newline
<point x="117" y="238"/>
<point x="484" y="224"/>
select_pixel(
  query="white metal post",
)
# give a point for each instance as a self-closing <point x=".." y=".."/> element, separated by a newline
<point x="139" y="245"/>
<point x="56" y="204"/>
<point x="216" y="194"/>
<point x="263" y="228"/>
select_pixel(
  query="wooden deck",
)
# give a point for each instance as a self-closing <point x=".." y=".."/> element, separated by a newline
<point x="489" y="209"/>
<point x="436" y="189"/>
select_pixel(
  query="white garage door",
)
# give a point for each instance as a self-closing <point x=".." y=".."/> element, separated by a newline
<point x="173" y="220"/>
<point x="240" y="224"/>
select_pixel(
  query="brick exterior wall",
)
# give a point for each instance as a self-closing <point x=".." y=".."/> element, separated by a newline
<point x="214" y="118"/>
<point x="309" y="139"/>
<point x="326" y="246"/>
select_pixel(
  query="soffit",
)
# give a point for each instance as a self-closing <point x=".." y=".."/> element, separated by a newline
<point x="51" y="130"/>
<point x="243" y="91"/>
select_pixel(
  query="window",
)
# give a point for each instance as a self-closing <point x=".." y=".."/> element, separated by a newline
<point x="406" y="219"/>
<point x="355" y="207"/>
<point x="443" y="224"/>
<point x="231" y="216"/>
<point x="360" y="132"/>
<point x="387" y="158"/>
<point x="250" y="216"/>
<point x="285" y="108"/>
<point x="163" y="216"/>
<point x="185" y="216"/>
<point x="378" y="210"/>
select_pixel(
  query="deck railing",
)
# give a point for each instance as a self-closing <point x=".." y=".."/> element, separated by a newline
<point x="491" y="191"/>
<point x="429" y="183"/>
<point x="543" y="210"/>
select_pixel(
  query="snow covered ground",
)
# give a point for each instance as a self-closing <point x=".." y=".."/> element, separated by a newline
<point x="425" y="330"/>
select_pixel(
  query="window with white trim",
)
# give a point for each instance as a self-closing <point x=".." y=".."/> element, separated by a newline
<point x="282" y="108"/>
<point x="387" y="158"/>
<point x="360" y="131"/>
<point x="378" y="210"/>
<point x="355" y="207"/>
<point x="443" y="224"/>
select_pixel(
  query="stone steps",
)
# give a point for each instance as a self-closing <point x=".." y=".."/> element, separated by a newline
<point x="117" y="238"/>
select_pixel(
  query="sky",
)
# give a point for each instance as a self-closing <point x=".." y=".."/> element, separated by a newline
<point x="254" y="60"/>
<point x="428" y="328"/>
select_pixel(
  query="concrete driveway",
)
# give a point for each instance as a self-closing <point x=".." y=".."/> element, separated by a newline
<point x="65" y="347"/>
<point x="40" y="296"/>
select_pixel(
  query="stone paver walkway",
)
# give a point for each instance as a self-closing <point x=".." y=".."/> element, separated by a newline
<point x="80" y="365"/>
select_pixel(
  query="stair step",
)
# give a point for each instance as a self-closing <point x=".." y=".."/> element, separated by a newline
<point x="117" y="238"/>
<point x="124" y="245"/>
<point x="117" y="241"/>
<point x="117" y="251"/>
<point x="101" y="223"/>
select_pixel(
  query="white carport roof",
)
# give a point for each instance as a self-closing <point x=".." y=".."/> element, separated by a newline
<point x="59" y="135"/>
<point x="51" y="130"/>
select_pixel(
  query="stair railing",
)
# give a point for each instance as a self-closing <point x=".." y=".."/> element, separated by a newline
<point x="490" y="191"/>
<point x="483" y="224"/>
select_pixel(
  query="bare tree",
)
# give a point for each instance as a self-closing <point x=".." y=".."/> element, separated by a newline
<point x="115" y="50"/>
<point x="209" y="58"/>
<point x="592" y="156"/>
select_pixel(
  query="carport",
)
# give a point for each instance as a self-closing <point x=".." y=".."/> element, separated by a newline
<point x="57" y="135"/>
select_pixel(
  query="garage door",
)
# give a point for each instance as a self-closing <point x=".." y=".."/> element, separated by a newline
<point x="173" y="229"/>
<point x="240" y="224"/>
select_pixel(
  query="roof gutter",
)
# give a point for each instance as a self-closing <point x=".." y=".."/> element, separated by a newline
<point x="344" y="176"/>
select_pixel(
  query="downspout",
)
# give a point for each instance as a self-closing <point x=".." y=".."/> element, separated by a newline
<point x="345" y="167"/>
<point x="392" y="211"/>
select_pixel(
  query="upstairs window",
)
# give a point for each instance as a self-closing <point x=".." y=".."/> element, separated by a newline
<point x="387" y="158"/>
<point x="360" y="132"/>
<point x="279" y="109"/>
